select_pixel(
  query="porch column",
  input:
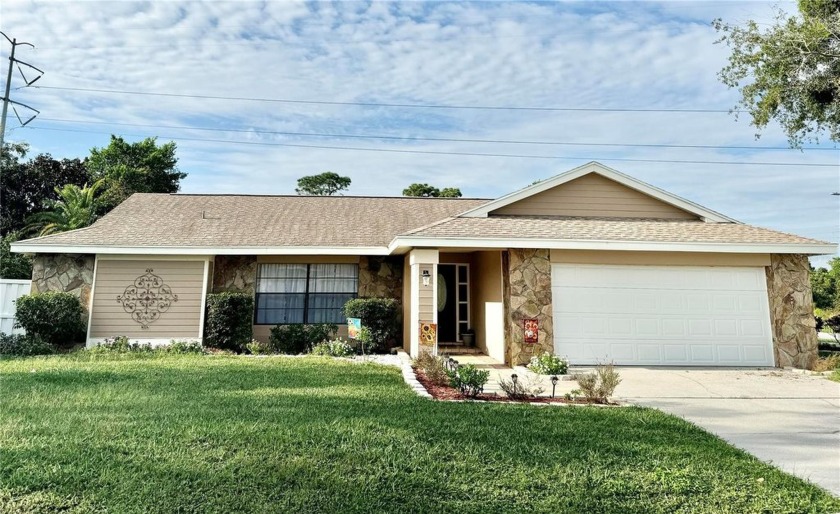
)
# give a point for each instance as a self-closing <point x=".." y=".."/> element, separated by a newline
<point x="423" y="299"/>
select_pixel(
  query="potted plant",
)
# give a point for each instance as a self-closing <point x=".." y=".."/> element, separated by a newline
<point x="468" y="337"/>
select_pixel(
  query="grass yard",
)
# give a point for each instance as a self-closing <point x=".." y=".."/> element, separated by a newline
<point x="232" y="434"/>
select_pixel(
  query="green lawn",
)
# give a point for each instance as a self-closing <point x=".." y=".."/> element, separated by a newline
<point x="234" y="434"/>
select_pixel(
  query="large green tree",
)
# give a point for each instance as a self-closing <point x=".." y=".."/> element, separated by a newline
<point x="28" y="186"/>
<point x="427" y="191"/>
<point x="75" y="208"/>
<point x="128" y="168"/>
<point x="790" y="71"/>
<point x="825" y="285"/>
<point x="14" y="265"/>
<point x="323" y="184"/>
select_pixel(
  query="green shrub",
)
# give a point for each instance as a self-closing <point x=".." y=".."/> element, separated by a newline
<point x="469" y="380"/>
<point x="258" y="347"/>
<point x="228" y="324"/>
<point x="433" y="367"/>
<point x="334" y="348"/>
<point x="24" y="345"/>
<point x="296" y="339"/>
<point x="548" y="364"/>
<point x="599" y="385"/>
<point x="55" y="317"/>
<point x="122" y="344"/>
<point x="381" y="316"/>
<point x="182" y="347"/>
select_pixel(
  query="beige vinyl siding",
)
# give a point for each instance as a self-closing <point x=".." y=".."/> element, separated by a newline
<point x="406" y="304"/>
<point x="427" y="303"/>
<point x="659" y="258"/>
<point x="181" y="320"/>
<point x="593" y="196"/>
<point x="486" y="293"/>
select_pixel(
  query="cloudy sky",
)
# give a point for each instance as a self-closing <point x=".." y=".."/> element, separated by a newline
<point x="258" y="94"/>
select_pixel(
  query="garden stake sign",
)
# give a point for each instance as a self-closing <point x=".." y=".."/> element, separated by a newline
<point x="354" y="327"/>
<point x="532" y="331"/>
<point x="147" y="298"/>
<point x="354" y="330"/>
<point x="428" y="337"/>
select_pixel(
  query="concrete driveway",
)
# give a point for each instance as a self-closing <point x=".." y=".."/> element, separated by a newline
<point x="783" y="417"/>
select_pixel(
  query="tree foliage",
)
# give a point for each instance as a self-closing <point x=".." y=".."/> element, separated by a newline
<point x="323" y="184"/>
<point x="825" y="285"/>
<point x="128" y="168"/>
<point x="14" y="265"/>
<point x="789" y="72"/>
<point x="427" y="191"/>
<point x="29" y="187"/>
<point x="75" y="208"/>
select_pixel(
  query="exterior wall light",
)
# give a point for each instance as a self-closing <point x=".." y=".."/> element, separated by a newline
<point x="427" y="278"/>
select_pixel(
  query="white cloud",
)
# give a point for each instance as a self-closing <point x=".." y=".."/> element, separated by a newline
<point x="595" y="55"/>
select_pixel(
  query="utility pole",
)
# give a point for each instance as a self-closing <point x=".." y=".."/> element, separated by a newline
<point x="6" y="100"/>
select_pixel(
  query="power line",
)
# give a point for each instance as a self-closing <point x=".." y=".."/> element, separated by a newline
<point x="378" y="104"/>
<point x="472" y="154"/>
<point x="437" y="139"/>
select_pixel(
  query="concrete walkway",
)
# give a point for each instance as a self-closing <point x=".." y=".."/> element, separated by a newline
<point x="783" y="417"/>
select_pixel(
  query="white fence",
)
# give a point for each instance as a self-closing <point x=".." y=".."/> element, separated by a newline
<point x="11" y="290"/>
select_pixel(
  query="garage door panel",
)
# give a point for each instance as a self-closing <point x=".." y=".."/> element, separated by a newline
<point x="661" y="315"/>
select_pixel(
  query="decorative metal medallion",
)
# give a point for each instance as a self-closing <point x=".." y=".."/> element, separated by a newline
<point x="147" y="298"/>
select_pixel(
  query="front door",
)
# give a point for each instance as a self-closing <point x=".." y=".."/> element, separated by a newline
<point x="447" y="303"/>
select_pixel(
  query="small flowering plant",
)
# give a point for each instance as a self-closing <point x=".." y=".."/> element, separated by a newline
<point x="335" y="348"/>
<point x="548" y="364"/>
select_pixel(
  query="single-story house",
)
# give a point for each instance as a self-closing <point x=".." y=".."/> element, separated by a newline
<point x="596" y="265"/>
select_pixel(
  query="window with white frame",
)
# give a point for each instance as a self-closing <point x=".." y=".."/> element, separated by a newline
<point x="304" y="293"/>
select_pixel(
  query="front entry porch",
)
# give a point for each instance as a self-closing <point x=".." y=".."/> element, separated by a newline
<point x="460" y="293"/>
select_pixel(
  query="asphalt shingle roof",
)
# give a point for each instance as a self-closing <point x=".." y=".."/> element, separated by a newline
<point x="231" y="221"/>
<point x="606" y="229"/>
<point x="163" y="220"/>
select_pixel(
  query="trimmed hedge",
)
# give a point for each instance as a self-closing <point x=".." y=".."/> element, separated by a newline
<point x="24" y="345"/>
<point x="228" y="322"/>
<point x="296" y="339"/>
<point x="55" y="317"/>
<point x="381" y="316"/>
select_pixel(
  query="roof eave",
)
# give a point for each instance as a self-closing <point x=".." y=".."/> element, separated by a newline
<point x="399" y="244"/>
<point x="199" y="250"/>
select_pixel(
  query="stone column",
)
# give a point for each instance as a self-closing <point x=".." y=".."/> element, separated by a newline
<point x="234" y="274"/>
<point x="70" y="273"/>
<point x="380" y="277"/>
<point x="527" y="287"/>
<point x="791" y="311"/>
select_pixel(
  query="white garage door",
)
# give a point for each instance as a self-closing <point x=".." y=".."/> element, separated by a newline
<point x="661" y="315"/>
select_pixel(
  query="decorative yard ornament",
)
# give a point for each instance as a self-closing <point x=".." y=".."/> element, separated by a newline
<point x="428" y="337"/>
<point x="532" y="331"/>
<point x="354" y="328"/>
<point x="147" y="298"/>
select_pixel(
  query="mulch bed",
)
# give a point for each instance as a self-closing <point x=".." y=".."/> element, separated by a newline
<point x="448" y="393"/>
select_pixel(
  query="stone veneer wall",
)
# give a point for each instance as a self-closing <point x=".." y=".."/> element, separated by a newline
<point x="71" y="273"/>
<point x="791" y="311"/>
<point x="527" y="294"/>
<point x="381" y="277"/>
<point x="234" y="273"/>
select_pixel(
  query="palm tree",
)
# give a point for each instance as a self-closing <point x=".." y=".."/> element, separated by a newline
<point x="75" y="208"/>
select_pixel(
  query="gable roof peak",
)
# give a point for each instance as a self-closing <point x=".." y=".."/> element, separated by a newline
<point x="596" y="167"/>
